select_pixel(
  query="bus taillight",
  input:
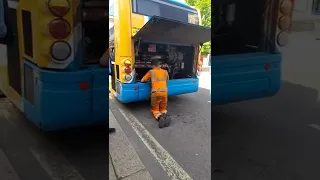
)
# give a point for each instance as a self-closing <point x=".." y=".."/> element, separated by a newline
<point x="127" y="63"/>
<point x="60" y="51"/>
<point x="128" y="77"/>
<point x="59" y="7"/>
<point x="284" y="22"/>
<point x="127" y="70"/>
<point x="286" y="6"/>
<point x="267" y="67"/>
<point x="59" y="28"/>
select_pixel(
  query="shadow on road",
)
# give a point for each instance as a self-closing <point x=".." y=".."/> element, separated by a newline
<point x="86" y="148"/>
<point x="268" y="138"/>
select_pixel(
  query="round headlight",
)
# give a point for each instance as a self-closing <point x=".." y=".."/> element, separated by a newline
<point x="128" y="77"/>
<point x="60" y="51"/>
<point x="282" y="38"/>
<point x="286" y="6"/>
<point x="284" y="22"/>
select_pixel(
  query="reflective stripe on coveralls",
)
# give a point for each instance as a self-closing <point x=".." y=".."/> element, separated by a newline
<point x="154" y="79"/>
<point x="159" y="96"/>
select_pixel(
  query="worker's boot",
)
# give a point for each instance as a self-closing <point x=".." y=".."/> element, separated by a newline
<point x="161" y="121"/>
<point x="167" y="119"/>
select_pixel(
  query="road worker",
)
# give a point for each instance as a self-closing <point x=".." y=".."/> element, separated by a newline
<point x="159" y="93"/>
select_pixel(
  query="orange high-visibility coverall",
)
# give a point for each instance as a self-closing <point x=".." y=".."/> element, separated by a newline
<point x="159" y="93"/>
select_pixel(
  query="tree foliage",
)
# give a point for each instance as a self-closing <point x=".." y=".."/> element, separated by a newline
<point x="205" y="10"/>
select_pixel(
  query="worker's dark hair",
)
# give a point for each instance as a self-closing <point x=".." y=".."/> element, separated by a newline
<point x="155" y="62"/>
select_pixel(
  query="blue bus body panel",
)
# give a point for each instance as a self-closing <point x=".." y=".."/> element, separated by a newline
<point x="59" y="103"/>
<point x="100" y="95"/>
<point x="242" y="77"/>
<point x="141" y="91"/>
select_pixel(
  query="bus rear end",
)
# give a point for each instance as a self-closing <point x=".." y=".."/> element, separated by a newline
<point x="246" y="63"/>
<point x="169" y="32"/>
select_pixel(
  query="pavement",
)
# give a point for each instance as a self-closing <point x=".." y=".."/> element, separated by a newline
<point x="274" y="138"/>
<point x="79" y="154"/>
<point x="124" y="162"/>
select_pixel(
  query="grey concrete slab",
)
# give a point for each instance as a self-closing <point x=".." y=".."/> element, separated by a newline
<point x="188" y="139"/>
<point x="7" y="172"/>
<point x="141" y="175"/>
<point x="124" y="157"/>
<point x="112" y="175"/>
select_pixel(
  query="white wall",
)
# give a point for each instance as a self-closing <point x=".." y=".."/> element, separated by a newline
<point x="303" y="11"/>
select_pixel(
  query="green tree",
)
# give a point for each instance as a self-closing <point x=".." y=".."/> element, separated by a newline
<point x="205" y="10"/>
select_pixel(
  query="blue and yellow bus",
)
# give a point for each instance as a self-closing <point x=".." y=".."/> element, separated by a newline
<point x="247" y="35"/>
<point x="142" y="30"/>
<point x="52" y="72"/>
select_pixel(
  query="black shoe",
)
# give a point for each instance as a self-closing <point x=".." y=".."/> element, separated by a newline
<point x="111" y="130"/>
<point x="161" y="121"/>
<point x="167" y="120"/>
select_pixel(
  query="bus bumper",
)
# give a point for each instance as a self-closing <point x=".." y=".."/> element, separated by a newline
<point x="242" y="77"/>
<point x="127" y="93"/>
<point x="55" y="100"/>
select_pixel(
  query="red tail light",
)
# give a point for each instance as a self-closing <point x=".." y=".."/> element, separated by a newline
<point x="84" y="86"/>
<point x="267" y="67"/>
<point x="59" y="29"/>
<point x="127" y="70"/>
<point x="59" y="7"/>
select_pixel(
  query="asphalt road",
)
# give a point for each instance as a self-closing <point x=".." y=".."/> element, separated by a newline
<point x="275" y="138"/>
<point x="187" y="140"/>
<point x="75" y="155"/>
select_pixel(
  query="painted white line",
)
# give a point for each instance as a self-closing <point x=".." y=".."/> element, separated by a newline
<point x="170" y="166"/>
<point x="315" y="126"/>
<point x="7" y="171"/>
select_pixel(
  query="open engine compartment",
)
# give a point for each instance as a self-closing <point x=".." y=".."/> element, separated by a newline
<point x="95" y="27"/>
<point x="178" y="60"/>
<point x="241" y="26"/>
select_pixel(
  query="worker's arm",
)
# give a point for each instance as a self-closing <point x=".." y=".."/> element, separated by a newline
<point x="104" y="59"/>
<point x="146" y="77"/>
<point x="167" y="75"/>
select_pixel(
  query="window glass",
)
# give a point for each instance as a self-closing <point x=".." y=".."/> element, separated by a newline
<point x="111" y="8"/>
<point x="166" y="10"/>
<point x="316" y="7"/>
<point x="148" y="8"/>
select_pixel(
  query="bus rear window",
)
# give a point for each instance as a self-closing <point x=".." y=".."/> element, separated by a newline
<point x="166" y="9"/>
